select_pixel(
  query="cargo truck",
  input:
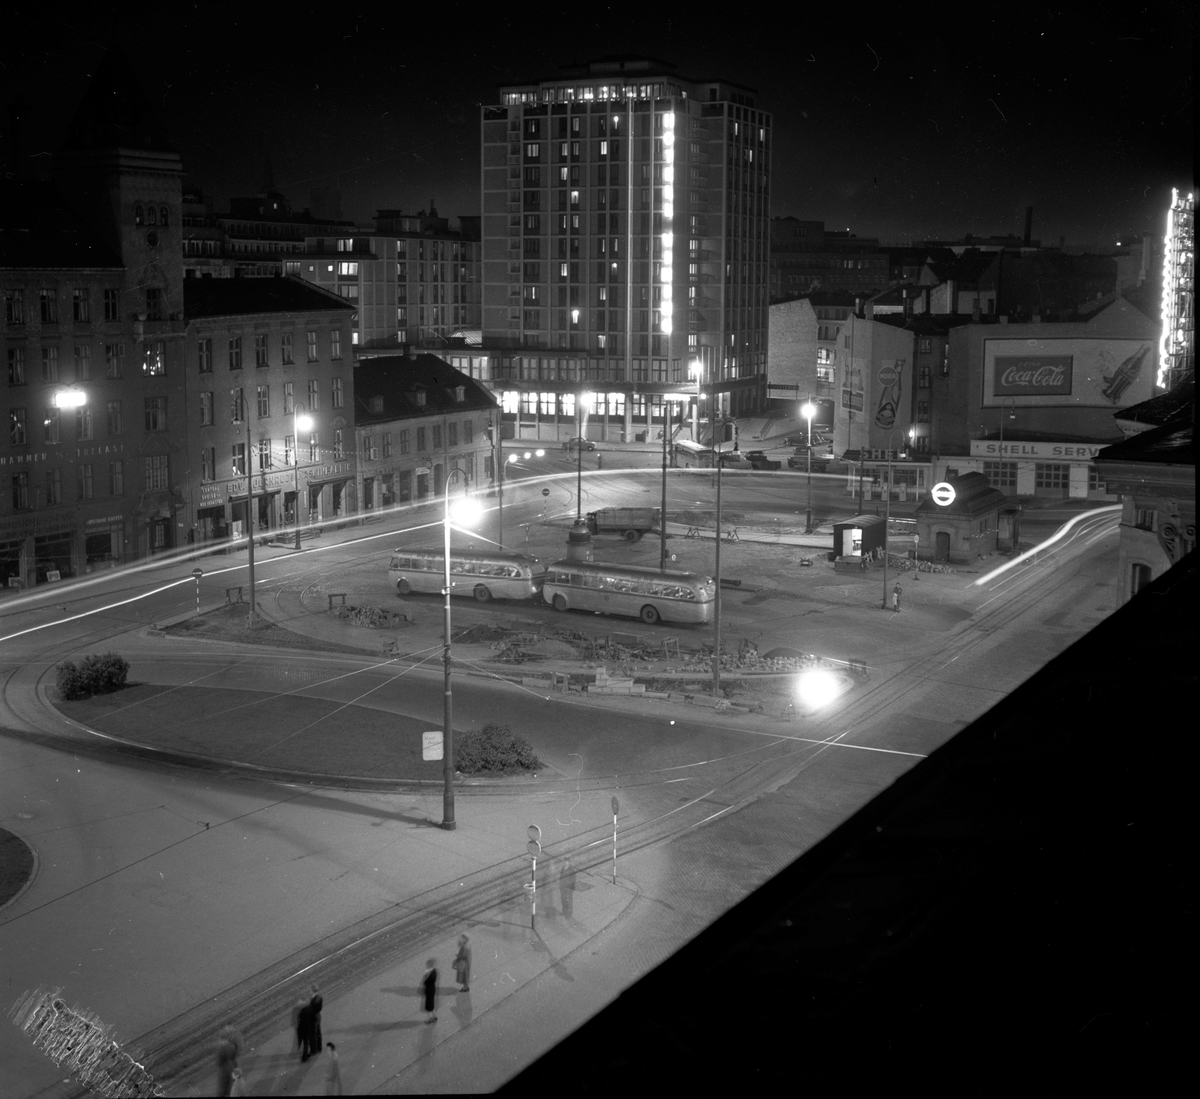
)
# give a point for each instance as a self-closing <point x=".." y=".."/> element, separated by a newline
<point x="631" y="523"/>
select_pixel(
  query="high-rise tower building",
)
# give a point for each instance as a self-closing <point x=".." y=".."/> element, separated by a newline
<point x="625" y="237"/>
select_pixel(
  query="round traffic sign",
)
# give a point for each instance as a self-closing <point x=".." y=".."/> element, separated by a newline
<point x="545" y="492"/>
<point x="197" y="573"/>
<point x="534" y="848"/>
<point x="942" y="493"/>
<point x="616" y="806"/>
<point x="533" y="832"/>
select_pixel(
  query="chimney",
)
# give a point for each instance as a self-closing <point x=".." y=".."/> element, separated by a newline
<point x="870" y="311"/>
<point x="858" y="307"/>
<point x="1028" y="225"/>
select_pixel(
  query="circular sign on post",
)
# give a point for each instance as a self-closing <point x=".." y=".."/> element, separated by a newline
<point x="197" y="573"/>
<point x="545" y="492"/>
<point x="616" y="806"/>
<point x="942" y="493"/>
<point x="533" y="832"/>
<point x="534" y="848"/>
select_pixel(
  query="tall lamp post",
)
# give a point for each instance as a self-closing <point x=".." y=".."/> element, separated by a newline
<point x="887" y="515"/>
<point x="466" y="509"/>
<point x="250" y="521"/>
<point x="300" y="423"/>
<point x="808" y="411"/>
<point x="662" y="557"/>
<point x="696" y="373"/>
<point x="717" y="566"/>
<point x="1009" y="403"/>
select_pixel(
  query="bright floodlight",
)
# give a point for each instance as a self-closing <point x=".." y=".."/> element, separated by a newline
<point x="539" y="454"/>
<point x="511" y="458"/>
<point x="304" y="423"/>
<point x="70" y="398"/>
<point x="817" y="688"/>
<point x="528" y="455"/>
<point x="695" y="369"/>
<point x="466" y="510"/>
<point x="808" y="410"/>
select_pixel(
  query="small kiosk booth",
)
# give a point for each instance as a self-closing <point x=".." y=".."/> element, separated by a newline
<point x="854" y="539"/>
<point x="965" y="526"/>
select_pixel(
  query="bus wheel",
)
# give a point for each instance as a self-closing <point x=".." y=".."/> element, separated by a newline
<point x="482" y="595"/>
<point x="560" y="602"/>
<point x="632" y="535"/>
<point x="649" y="615"/>
<point x="403" y="587"/>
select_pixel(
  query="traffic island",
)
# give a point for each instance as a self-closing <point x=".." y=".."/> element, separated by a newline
<point x="17" y="866"/>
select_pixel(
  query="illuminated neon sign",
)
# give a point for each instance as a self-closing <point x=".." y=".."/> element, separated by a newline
<point x="1177" y="342"/>
<point x="668" y="213"/>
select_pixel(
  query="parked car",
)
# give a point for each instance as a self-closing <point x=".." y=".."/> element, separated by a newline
<point x="821" y="456"/>
<point x="759" y="460"/>
<point x="801" y="439"/>
<point x="579" y="444"/>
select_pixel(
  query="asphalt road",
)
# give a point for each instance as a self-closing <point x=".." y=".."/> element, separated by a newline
<point x="119" y="842"/>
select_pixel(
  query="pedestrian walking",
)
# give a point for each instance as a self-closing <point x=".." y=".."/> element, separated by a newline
<point x="429" y="990"/>
<point x="297" y="1008"/>
<point x="304" y="1031"/>
<point x="229" y="1049"/>
<point x="462" y="963"/>
<point x="333" y="1072"/>
<point x="896" y="599"/>
<point x="566" y="887"/>
<point x="238" y="1086"/>
<point x="315" y="1004"/>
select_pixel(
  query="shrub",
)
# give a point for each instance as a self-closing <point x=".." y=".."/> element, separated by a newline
<point x="494" y="750"/>
<point x="93" y="675"/>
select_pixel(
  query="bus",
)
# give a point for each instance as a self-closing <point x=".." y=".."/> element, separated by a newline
<point x="486" y="576"/>
<point x="653" y="595"/>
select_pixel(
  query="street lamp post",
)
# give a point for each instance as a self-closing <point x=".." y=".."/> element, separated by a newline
<point x="250" y="523"/>
<point x="887" y="515"/>
<point x="662" y="557"/>
<point x="717" y="567"/>
<point x="448" y="822"/>
<point x="808" y="412"/>
<point x="299" y="423"/>
<point x="499" y="466"/>
<point x="1010" y="403"/>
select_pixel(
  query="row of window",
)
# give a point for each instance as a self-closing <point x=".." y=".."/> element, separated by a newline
<point x="423" y="434"/>
<point x="262" y="395"/>
<point x="154" y="411"/>
<point x="15" y="312"/>
<point x="264" y="454"/>
<point x="204" y="349"/>
<point x="26" y="495"/>
<point x="150" y="215"/>
<point x="1046" y="475"/>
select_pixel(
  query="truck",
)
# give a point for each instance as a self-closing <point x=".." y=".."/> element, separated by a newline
<point x="759" y="460"/>
<point x="631" y="523"/>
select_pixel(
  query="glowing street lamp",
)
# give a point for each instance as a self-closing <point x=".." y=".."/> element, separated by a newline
<point x="808" y="411"/>
<point x="467" y="510"/>
<point x="70" y="398"/>
<point x="300" y="423"/>
<point x="817" y="687"/>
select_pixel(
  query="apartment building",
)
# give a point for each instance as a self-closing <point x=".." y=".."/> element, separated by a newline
<point x="625" y="247"/>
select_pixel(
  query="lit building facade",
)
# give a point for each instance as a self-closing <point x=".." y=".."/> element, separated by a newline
<point x="414" y="281"/>
<point x="418" y="419"/>
<point x="625" y="237"/>
<point x="258" y="353"/>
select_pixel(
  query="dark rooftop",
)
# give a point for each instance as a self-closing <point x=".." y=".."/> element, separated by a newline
<point x="1170" y="444"/>
<point x="1166" y="408"/>
<point x="398" y="379"/>
<point x="240" y="297"/>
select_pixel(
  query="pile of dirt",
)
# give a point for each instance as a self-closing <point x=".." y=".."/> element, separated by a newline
<point x="371" y="618"/>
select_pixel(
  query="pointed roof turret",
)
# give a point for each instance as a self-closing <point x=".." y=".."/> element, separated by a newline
<point x="115" y="112"/>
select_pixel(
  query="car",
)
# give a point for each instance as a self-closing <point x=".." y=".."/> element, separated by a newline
<point x="801" y="439"/>
<point x="759" y="460"/>
<point x="579" y="444"/>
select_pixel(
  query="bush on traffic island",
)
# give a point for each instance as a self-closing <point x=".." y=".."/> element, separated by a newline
<point x="494" y="750"/>
<point x="93" y="675"/>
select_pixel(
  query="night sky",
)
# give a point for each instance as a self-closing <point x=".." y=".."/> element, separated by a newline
<point x="929" y="130"/>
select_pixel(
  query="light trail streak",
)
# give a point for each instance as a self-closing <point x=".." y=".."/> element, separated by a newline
<point x="1062" y="532"/>
<point x="99" y="610"/>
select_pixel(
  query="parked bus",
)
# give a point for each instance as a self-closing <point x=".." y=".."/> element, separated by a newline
<point x="652" y="595"/>
<point x="486" y="576"/>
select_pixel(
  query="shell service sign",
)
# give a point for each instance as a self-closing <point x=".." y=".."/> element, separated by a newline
<point x="1100" y="373"/>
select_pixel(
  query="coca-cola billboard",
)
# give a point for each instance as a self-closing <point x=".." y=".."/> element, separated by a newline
<point x="1094" y="372"/>
<point x="1033" y="375"/>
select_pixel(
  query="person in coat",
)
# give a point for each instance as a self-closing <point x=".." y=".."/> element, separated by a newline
<point x="462" y="963"/>
<point x="229" y="1049"/>
<point x="333" y="1072"/>
<point x="315" y="1004"/>
<point x="304" y="1031"/>
<point x="566" y="887"/>
<point x="896" y="599"/>
<point x="429" y="990"/>
<point x="238" y="1086"/>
